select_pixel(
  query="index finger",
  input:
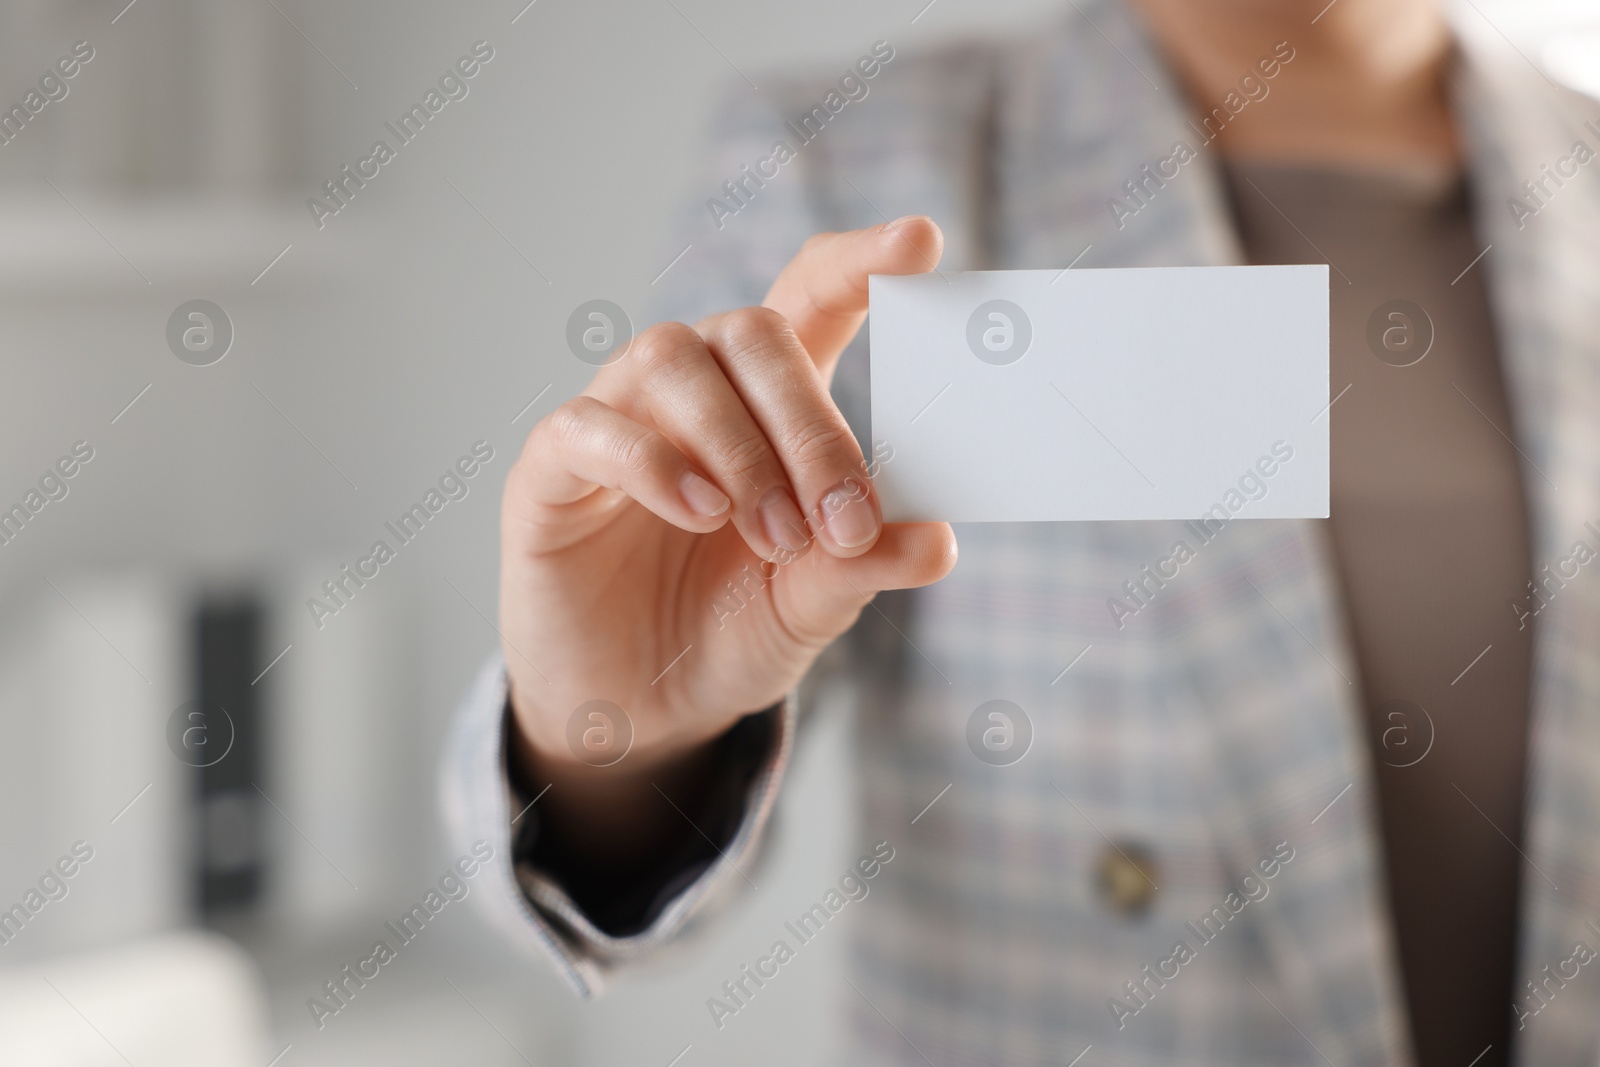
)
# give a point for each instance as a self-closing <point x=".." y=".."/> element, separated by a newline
<point x="823" y="290"/>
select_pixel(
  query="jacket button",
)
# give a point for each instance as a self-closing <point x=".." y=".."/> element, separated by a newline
<point x="1126" y="878"/>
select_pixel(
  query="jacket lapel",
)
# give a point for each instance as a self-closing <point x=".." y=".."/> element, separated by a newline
<point x="1545" y="280"/>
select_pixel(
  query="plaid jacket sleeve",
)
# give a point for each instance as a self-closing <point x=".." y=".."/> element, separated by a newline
<point x="532" y="907"/>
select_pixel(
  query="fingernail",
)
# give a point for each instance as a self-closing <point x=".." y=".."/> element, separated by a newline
<point x="848" y="516"/>
<point x="781" y="520"/>
<point x="702" y="497"/>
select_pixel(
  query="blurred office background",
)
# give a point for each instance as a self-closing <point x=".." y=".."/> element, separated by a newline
<point x="367" y="357"/>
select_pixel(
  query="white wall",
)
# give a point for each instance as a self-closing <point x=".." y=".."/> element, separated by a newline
<point x="390" y="340"/>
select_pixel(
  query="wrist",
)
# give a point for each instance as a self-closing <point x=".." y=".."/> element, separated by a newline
<point x="597" y="740"/>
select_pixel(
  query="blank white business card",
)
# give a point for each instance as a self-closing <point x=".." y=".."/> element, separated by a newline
<point x="1151" y="393"/>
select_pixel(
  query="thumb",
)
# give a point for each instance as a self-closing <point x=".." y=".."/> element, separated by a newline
<point x="831" y="592"/>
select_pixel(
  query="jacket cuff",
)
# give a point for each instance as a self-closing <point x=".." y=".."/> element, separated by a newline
<point x="533" y="905"/>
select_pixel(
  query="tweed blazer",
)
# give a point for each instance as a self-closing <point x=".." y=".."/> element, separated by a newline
<point x="1218" y="728"/>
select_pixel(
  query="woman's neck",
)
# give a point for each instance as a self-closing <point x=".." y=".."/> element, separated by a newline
<point x="1366" y="87"/>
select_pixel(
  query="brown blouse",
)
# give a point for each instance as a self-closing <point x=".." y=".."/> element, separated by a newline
<point x="1429" y="530"/>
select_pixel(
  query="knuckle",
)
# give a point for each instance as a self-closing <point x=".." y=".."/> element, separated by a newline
<point x="568" y="423"/>
<point x="819" y="439"/>
<point x="752" y="324"/>
<point x="664" y="345"/>
<point x="748" y="455"/>
<point x="637" y="453"/>
<point x="758" y="337"/>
